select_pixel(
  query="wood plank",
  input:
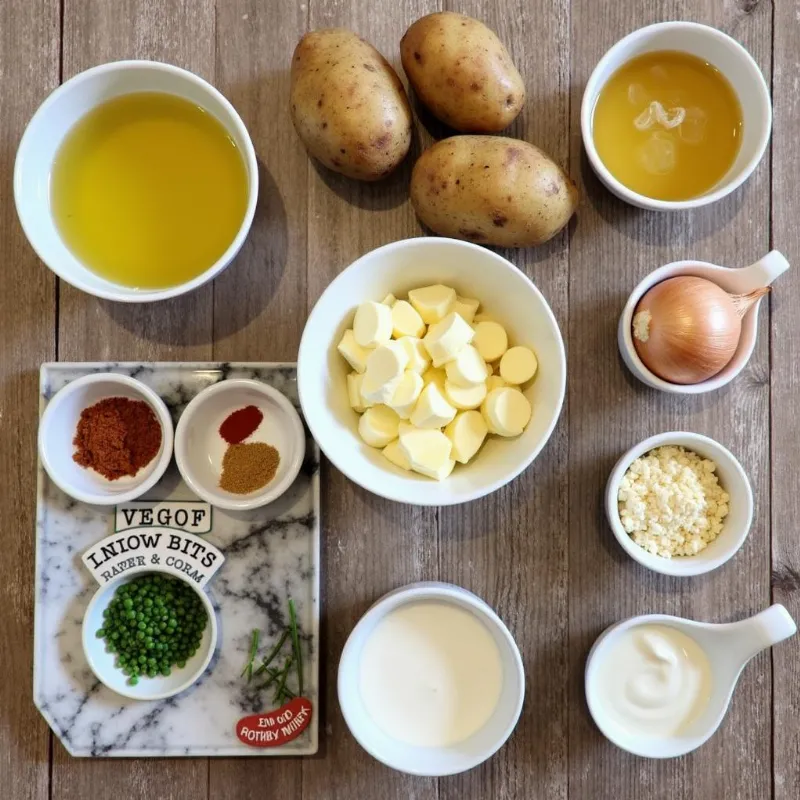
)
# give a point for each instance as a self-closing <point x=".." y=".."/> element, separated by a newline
<point x="510" y="548"/>
<point x="181" y="33"/>
<point x="785" y="385"/>
<point x="260" y="302"/>
<point x="369" y="545"/>
<point x="613" y="247"/>
<point x="29" y="69"/>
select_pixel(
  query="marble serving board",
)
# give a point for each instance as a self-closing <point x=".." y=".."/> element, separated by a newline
<point x="271" y="554"/>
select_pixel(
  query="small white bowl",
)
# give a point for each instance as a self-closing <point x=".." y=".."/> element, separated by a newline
<point x="431" y="761"/>
<point x="735" y="527"/>
<point x="736" y="281"/>
<point x="718" y="49"/>
<point x="507" y="296"/>
<point x="51" y="123"/>
<point x="199" y="449"/>
<point x="57" y="429"/>
<point x="160" y="686"/>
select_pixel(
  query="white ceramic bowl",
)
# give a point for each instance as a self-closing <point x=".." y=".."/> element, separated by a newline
<point x="735" y="527"/>
<point x="505" y="293"/>
<point x="160" y="686"/>
<point x="57" y="429"/>
<point x="731" y="59"/>
<point x="735" y="281"/>
<point x="46" y="131"/>
<point x="432" y="761"/>
<point x="199" y="448"/>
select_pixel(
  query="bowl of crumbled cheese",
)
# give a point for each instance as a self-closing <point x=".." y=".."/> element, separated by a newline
<point x="679" y="503"/>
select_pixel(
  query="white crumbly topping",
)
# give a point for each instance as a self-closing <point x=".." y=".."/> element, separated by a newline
<point x="671" y="503"/>
<point x="641" y="325"/>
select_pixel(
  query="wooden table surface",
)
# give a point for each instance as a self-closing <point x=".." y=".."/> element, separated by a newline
<point x="539" y="551"/>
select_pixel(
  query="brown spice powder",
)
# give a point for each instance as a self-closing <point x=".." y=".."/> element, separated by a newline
<point x="117" y="436"/>
<point x="248" y="467"/>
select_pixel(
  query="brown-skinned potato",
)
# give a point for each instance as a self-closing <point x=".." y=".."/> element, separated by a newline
<point x="462" y="72"/>
<point x="348" y="106"/>
<point x="492" y="190"/>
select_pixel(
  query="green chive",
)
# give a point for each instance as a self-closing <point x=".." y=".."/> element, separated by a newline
<point x="296" y="646"/>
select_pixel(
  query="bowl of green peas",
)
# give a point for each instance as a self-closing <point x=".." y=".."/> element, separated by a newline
<point x="150" y="635"/>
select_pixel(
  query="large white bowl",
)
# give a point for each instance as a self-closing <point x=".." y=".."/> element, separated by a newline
<point x="432" y="761"/>
<point x="51" y="123"/>
<point x="505" y="294"/>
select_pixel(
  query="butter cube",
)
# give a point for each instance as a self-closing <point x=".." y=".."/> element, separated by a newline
<point x="405" y="396"/>
<point x="465" y="397"/>
<point x="466" y="433"/>
<point x="418" y="358"/>
<point x="467" y="368"/>
<point x="435" y="375"/>
<point x="386" y="363"/>
<point x="378" y="426"/>
<point x="518" y="365"/>
<point x="428" y="451"/>
<point x="354" y="381"/>
<point x="491" y="340"/>
<point x="433" y="303"/>
<point x="432" y="409"/>
<point x="372" y="324"/>
<point x="353" y="352"/>
<point x="394" y="453"/>
<point x="406" y="321"/>
<point x="389" y="300"/>
<point x="447" y="338"/>
<point x="466" y="308"/>
<point x="494" y="382"/>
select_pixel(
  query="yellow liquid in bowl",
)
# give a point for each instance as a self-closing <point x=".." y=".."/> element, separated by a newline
<point x="668" y="125"/>
<point x="148" y="190"/>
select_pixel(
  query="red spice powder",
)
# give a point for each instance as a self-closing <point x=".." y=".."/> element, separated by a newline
<point x="240" y="424"/>
<point x="117" y="436"/>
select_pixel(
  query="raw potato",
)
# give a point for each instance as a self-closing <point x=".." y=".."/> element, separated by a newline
<point x="462" y="72"/>
<point x="492" y="190"/>
<point x="348" y="105"/>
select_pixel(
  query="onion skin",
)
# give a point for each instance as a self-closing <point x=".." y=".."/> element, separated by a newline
<point x="693" y="330"/>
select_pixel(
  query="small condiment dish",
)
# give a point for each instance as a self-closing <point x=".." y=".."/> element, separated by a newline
<point x="736" y="524"/>
<point x="199" y="447"/>
<point x="734" y="281"/>
<point x="432" y="761"/>
<point x="714" y="47"/>
<point x="728" y="647"/>
<point x="159" y="687"/>
<point x="59" y="424"/>
<point x="50" y="125"/>
<point x="506" y="295"/>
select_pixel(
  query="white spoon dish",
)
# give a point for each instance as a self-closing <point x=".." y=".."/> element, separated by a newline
<point x="665" y="677"/>
<point x="735" y="281"/>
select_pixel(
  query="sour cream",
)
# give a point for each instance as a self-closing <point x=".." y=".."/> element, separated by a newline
<point x="654" y="680"/>
<point x="430" y="674"/>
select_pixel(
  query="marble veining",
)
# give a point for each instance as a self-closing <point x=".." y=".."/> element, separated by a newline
<point x="271" y="554"/>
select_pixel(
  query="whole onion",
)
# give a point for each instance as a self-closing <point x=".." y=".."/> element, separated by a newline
<point x="686" y="329"/>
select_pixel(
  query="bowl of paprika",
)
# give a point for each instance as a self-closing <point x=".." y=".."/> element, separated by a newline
<point x="105" y="438"/>
<point x="239" y="444"/>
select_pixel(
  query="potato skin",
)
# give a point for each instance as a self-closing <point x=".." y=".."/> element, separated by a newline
<point x="492" y="190"/>
<point x="462" y="72"/>
<point x="348" y="106"/>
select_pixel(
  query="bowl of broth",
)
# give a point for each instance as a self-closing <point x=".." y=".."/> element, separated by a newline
<point x="136" y="181"/>
<point x="675" y="115"/>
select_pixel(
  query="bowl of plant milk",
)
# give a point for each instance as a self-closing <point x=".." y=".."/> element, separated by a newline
<point x="431" y="681"/>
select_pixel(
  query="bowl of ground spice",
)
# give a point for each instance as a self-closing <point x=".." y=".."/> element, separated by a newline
<point x="105" y="438"/>
<point x="239" y="444"/>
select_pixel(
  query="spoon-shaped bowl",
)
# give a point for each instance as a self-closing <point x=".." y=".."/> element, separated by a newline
<point x="735" y="281"/>
<point x="728" y="647"/>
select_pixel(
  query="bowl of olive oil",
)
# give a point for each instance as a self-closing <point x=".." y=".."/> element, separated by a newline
<point x="675" y="115"/>
<point x="136" y="181"/>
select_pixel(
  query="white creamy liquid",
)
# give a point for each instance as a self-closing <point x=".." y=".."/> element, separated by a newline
<point x="653" y="680"/>
<point x="430" y="674"/>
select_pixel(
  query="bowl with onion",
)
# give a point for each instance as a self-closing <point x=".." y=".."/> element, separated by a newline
<point x="690" y="327"/>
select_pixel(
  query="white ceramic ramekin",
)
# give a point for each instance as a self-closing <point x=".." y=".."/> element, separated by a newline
<point x="47" y="129"/>
<point x="432" y="761"/>
<point x="733" y="480"/>
<point x="57" y="429"/>
<point x="730" y="58"/>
